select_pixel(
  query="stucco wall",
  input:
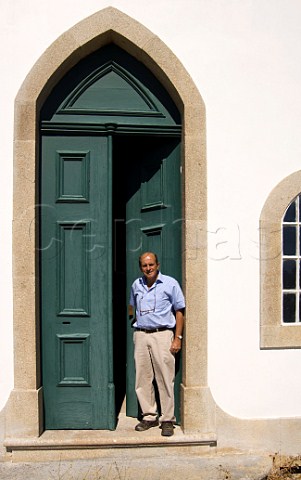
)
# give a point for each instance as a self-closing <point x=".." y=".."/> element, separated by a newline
<point x="244" y="58"/>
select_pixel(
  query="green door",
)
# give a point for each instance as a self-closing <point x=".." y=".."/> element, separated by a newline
<point x="76" y="299"/>
<point x="110" y="189"/>
<point x="150" y="170"/>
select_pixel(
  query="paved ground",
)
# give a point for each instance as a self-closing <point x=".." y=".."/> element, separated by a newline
<point x="139" y="467"/>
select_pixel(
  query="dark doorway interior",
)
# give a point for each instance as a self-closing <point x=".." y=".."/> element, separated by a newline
<point x="127" y="152"/>
<point x="128" y="176"/>
<point x="119" y="271"/>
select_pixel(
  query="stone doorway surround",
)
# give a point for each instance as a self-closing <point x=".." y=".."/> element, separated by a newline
<point x="24" y="411"/>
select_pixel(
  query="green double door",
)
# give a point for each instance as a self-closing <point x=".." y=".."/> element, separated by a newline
<point x="104" y="200"/>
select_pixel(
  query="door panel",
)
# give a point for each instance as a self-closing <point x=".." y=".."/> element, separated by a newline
<point x="76" y="284"/>
<point x="153" y="223"/>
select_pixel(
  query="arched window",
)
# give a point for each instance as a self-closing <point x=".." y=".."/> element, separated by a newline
<point x="280" y="266"/>
<point x="291" y="257"/>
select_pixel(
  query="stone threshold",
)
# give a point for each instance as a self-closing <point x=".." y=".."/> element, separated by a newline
<point x="124" y="436"/>
<point x="42" y="444"/>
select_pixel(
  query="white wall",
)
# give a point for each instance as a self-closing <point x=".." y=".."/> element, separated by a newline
<point x="244" y="56"/>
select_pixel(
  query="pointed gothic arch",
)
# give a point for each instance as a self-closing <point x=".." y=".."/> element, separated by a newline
<point x="24" y="411"/>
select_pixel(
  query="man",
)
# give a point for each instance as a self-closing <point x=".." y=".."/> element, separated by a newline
<point x="159" y="304"/>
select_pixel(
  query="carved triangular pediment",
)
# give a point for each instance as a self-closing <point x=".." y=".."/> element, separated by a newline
<point x="110" y="90"/>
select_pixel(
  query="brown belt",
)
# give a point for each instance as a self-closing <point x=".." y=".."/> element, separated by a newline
<point x="146" y="330"/>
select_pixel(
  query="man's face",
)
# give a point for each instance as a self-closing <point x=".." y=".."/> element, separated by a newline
<point x="149" y="267"/>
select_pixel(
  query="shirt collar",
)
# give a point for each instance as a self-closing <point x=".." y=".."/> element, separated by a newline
<point x="159" y="279"/>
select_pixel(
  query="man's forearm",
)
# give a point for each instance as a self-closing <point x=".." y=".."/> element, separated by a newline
<point x="179" y="322"/>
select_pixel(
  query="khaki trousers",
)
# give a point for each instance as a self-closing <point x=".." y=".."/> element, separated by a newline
<point x="154" y="359"/>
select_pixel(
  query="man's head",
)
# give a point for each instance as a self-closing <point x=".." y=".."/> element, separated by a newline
<point x="149" y="266"/>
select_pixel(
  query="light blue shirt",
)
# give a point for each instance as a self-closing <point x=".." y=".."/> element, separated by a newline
<point x="156" y="306"/>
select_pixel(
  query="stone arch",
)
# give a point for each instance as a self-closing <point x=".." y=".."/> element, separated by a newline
<point x="273" y="333"/>
<point x="24" y="410"/>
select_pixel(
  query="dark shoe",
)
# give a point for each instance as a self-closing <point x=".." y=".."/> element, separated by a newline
<point x="146" y="424"/>
<point x="167" y="429"/>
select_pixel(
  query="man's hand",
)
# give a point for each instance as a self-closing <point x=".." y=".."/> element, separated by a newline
<point x="176" y="345"/>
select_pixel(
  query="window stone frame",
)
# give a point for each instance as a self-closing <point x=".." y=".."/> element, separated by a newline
<point x="273" y="333"/>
